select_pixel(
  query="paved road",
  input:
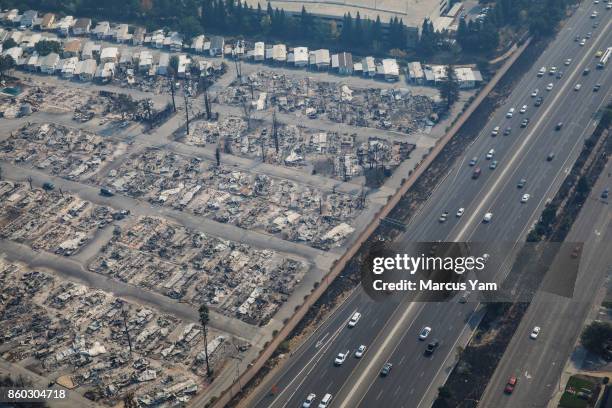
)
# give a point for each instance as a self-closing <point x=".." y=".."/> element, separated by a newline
<point x="538" y="364"/>
<point x="391" y="331"/>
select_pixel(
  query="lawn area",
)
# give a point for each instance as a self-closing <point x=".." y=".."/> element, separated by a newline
<point x="578" y="392"/>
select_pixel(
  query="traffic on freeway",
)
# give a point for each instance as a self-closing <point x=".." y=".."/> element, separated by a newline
<point x="496" y="191"/>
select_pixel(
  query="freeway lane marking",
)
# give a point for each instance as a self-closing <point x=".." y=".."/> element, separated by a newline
<point x="317" y="356"/>
<point x="391" y="336"/>
<point x="318" y="344"/>
<point x="528" y="138"/>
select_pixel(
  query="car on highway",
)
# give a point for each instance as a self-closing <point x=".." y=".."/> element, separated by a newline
<point x="586" y="71"/>
<point x="424" y="332"/>
<point x="341" y="357"/>
<point x="473" y="161"/>
<point x="598" y="54"/>
<point x="460" y="212"/>
<point x="523" y="109"/>
<point x="568" y="61"/>
<point x="550" y="156"/>
<point x="525" y="198"/>
<point x="559" y="126"/>
<point x="609" y="6"/>
<point x="490" y="154"/>
<point x="538" y="101"/>
<point x="354" y="319"/>
<point x="535" y="332"/>
<point x="443" y="216"/>
<point x="48" y="186"/>
<point x="106" y="192"/>
<point x="360" y="351"/>
<point x="576" y="251"/>
<point x="493" y="165"/>
<point x="507" y="131"/>
<point x="521" y="183"/>
<point x="510" y="113"/>
<point x="309" y="400"/>
<point x="495" y="131"/>
<point x="431" y="347"/>
<point x="577" y="38"/>
<point x="464" y="296"/>
<point x="549" y="87"/>
<point x="597" y="87"/>
<point x="525" y="122"/>
<point x="541" y="72"/>
<point x="553" y="71"/>
<point x="476" y="173"/>
<point x="487" y="217"/>
<point x="386" y="369"/>
<point x="559" y="75"/>
<point x="588" y="35"/>
<point x="510" y="385"/>
<point x="577" y="87"/>
<point x="325" y="401"/>
<point x="605" y="194"/>
<point x="535" y="93"/>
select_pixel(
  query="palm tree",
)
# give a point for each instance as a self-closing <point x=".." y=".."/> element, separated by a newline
<point x="204" y="319"/>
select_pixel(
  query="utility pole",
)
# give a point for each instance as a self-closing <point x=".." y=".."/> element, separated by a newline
<point x="30" y="181"/>
<point x="172" y="93"/>
<point x="186" y="110"/>
<point x="125" y="326"/>
<point x="206" y="100"/>
<point x="275" y="131"/>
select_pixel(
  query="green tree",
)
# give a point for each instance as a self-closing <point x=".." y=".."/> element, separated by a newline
<point x="597" y="338"/>
<point x="6" y="64"/>
<point x="45" y="47"/>
<point x="449" y="88"/>
<point x="10" y="43"/>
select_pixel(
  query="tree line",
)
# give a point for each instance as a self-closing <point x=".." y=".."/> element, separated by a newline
<point x="362" y="35"/>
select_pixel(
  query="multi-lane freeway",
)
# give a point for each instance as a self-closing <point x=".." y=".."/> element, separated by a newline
<point x="390" y="329"/>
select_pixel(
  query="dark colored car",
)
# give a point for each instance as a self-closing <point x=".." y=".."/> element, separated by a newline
<point x="507" y="131"/>
<point x="539" y="101"/>
<point x="550" y="157"/>
<point x="431" y="347"/>
<point x="386" y="369"/>
<point x="605" y="194"/>
<point x="521" y="183"/>
<point x="107" y="192"/>
<point x="559" y="126"/>
<point x="48" y="186"/>
<point x="524" y="123"/>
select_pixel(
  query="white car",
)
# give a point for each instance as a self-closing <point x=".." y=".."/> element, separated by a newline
<point x="582" y="42"/>
<point x="535" y="93"/>
<point x="309" y="400"/>
<point x="535" y="332"/>
<point x="525" y="198"/>
<point x="549" y="87"/>
<point x="360" y="351"/>
<point x="568" y="61"/>
<point x="523" y="109"/>
<point x="541" y="72"/>
<point x="577" y="87"/>
<point x="325" y="401"/>
<point x="490" y="154"/>
<point x="341" y="357"/>
<point x="487" y="217"/>
<point x="424" y="332"/>
<point x="354" y="319"/>
<point x="460" y="212"/>
<point x="510" y="113"/>
<point x="495" y="131"/>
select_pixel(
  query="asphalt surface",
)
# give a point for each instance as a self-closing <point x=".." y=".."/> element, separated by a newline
<point x="390" y="330"/>
<point x="538" y="364"/>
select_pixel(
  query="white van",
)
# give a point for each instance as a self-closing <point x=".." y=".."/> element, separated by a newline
<point x="541" y="72"/>
<point x="510" y="113"/>
<point x="325" y="401"/>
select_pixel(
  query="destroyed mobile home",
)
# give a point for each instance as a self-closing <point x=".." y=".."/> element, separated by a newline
<point x="70" y="153"/>
<point x="331" y="154"/>
<point x="228" y="195"/>
<point x="388" y="109"/>
<point x="234" y="278"/>
<point x="91" y="342"/>
<point x="49" y="220"/>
